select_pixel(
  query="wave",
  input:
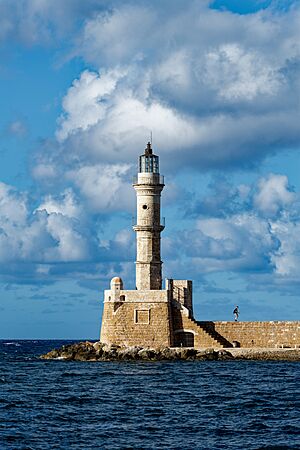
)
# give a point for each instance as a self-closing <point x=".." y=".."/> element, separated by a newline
<point x="16" y="344"/>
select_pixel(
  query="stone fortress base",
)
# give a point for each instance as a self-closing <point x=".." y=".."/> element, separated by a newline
<point x="154" y="317"/>
<point x="164" y="318"/>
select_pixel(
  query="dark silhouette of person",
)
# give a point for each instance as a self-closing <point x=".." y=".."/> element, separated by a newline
<point x="236" y="313"/>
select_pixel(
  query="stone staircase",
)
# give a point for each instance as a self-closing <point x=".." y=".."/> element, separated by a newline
<point x="207" y="327"/>
<point x="204" y="333"/>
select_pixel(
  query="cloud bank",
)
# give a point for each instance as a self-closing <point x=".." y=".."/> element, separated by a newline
<point x="216" y="88"/>
<point x="219" y="90"/>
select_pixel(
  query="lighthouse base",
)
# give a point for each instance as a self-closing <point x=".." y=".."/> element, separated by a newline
<point x="137" y="318"/>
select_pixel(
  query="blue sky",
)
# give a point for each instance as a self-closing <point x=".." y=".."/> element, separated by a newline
<point x="81" y="86"/>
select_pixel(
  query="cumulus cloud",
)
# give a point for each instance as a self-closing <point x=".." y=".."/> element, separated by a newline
<point x="13" y="205"/>
<point x="217" y="89"/>
<point x="218" y="96"/>
<point x="55" y="239"/>
<point x="44" y="171"/>
<point x="16" y="238"/>
<point x="104" y="187"/>
<point x="287" y="259"/>
<point x="199" y="78"/>
<point x="84" y="105"/>
<point x="238" y="74"/>
<point x="36" y="21"/>
<point x="37" y="236"/>
<point x="252" y="230"/>
<point x="66" y="205"/>
<point x="71" y="245"/>
<point x="270" y="197"/>
<point x="241" y="243"/>
<point x="273" y="195"/>
<point x="105" y="119"/>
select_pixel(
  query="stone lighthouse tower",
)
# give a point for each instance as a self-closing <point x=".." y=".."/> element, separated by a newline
<point x="149" y="315"/>
<point x="148" y="186"/>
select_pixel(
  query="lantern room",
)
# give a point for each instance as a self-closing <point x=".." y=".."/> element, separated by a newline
<point x="149" y="163"/>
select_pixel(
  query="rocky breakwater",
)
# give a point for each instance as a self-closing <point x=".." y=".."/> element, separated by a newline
<point x="89" y="351"/>
<point x="97" y="351"/>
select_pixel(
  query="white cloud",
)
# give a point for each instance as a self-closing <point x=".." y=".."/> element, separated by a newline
<point x="42" y="171"/>
<point x="106" y="120"/>
<point x="41" y="21"/>
<point x="239" y="74"/>
<point x="13" y="206"/>
<point x="117" y="36"/>
<point x="255" y="234"/>
<point x="287" y="259"/>
<point x="66" y="205"/>
<point x="84" y="104"/>
<point x="71" y="244"/>
<point x="273" y="195"/>
<point x="241" y="242"/>
<point x="60" y="230"/>
<point x="216" y="88"/>
<point x="38" y="236"/>
<point x="105" y="187"/>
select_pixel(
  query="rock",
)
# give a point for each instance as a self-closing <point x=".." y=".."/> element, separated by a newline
<point x="128" y="353"/>
<point x="168" y="354"/>
<point x="67" y="355"/>
<point x="224" y="355"/>
<point x="201" y="355"/>
<point x="110" y="347"/>
<point x="208" y="354"/>
<point x="211" y="354"/>
<point x="98" y="351"/>
<point x="53" y="354"/>
<point x="186" y="353"/>
<point x="84" y="351"/>
<point x="98" y="345"/>
<point x="147" y="353"/>
<point x="110" y="352"/>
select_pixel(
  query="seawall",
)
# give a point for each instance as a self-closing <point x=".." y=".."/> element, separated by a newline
<point x="274" y="334"/>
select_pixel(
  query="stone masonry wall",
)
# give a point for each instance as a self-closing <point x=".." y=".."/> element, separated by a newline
<point x="260" y="334"/>
<point x="137" y="323"/>
<point x="183" y="322"/>
<point x="182" y="292"/>
<point x="150" y="319"/>
<point x="247" y="334"/>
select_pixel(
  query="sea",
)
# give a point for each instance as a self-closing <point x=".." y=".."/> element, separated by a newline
<point x="144" y="405"/>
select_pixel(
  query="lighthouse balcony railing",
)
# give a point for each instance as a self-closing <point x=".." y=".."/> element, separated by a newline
<point x="156" y="179"/>
<point x="147" y="222"/>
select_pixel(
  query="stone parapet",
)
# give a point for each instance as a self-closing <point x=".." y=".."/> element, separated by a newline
<point x="146" y="296"/>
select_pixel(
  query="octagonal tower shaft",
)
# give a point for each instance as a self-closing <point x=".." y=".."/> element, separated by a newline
<point x="148" y="187"/>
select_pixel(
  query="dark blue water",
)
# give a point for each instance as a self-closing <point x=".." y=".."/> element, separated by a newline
<point x="138" y="405"/>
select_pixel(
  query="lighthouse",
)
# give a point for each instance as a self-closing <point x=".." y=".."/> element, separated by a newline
<point x="154" y="316"/>
<point x="148" y="315"/>
<point x="148" y="186"/>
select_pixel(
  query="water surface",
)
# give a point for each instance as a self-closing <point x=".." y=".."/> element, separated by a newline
<point x="145" y="405"/>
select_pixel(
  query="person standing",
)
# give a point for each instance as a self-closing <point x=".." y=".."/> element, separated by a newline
<point x="236" y="313"/>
